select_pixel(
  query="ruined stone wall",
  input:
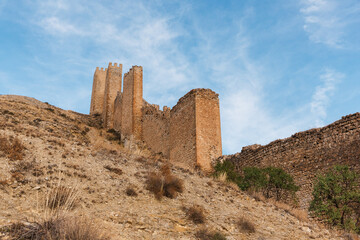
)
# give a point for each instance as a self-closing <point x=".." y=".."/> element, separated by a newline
<point x="156" y="128"/>
<point x="132" y="102"/>
<point x="183" y="132"/>
<point x="208" y="133"/>
<point x="112" y="87"/>
<point x="98" y="91"/>
<point x="305" y="154"/>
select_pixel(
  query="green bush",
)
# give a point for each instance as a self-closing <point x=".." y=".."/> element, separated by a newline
<point x="227" y="167"/>
<point x="279" y="184"/>
<point x="336" y="198"/>
<point x="254" y="179"/>
<point x="273" y="182"/>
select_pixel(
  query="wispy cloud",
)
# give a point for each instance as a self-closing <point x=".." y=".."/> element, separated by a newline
<point x="133" y="34"/>
<point x="56" y="26"/>
<point x="327" y="21"/>
<point x="321" y="97"/>
<point x="247" y="116"/>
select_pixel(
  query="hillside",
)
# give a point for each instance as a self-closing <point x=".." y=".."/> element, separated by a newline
<point x="68" y="148"/>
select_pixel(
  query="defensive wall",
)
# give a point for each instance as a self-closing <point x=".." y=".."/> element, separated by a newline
<point x="188" y="134"/>
<point x="306" y="154"/>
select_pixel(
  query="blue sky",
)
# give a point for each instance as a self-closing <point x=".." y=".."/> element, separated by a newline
<point x="279" y="66"/>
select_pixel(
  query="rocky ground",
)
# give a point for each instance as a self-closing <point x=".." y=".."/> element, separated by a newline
<point x="70" y="149"/>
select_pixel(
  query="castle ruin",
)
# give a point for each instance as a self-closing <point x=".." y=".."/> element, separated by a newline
<point x="188" y="134"/>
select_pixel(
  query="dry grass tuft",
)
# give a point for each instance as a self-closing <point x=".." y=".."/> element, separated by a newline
<point x="118" y="171"/>
<point x="13" y="148"/>
<point x="300" y="214"/>
<point x="208" y="235"/>
<point x="164" y="183"/>
<point x="131" y="192"/>
<point x="257" y="196"/>
<point x="61" y="197"/>
<point x="196" y="213"/>
<point x="246" y="226"/>
<point x="351" y="236"/>
<point x="4" y="182"/>
<point x="55" y="228"/>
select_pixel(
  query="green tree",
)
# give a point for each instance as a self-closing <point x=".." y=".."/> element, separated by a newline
<point x="273" y="182"/>
<point x="336" y="198"/>
<point x="254" y="179"/>
<point x="279" y="184"/>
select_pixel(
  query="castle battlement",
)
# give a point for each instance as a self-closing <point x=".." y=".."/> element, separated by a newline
<point x="115" y="65"/>
<point x="188" y="134"/>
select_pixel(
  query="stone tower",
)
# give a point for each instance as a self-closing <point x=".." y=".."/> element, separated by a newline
<point x="195" y="131"/>
<point x="98" y="91"/>
<point x="112" y="87"/>
<point x="132" y="103"/>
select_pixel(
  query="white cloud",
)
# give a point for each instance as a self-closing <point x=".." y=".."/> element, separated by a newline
<point x="321" y="97"/>
<point x="328" y="21"/>
<point x="126" y="32"/>
<point x="56" y="26"/>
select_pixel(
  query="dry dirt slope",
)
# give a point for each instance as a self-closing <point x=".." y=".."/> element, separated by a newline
<point x="66" y="146"/>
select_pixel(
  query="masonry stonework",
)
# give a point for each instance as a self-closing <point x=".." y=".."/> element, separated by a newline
<point x="183" y="131"/>
<point x="112" y="87"/>
<point x="306" y="154"/>
<point x="98" y="91"/>
<point x="208" y="134"/>
<point x="156" y="128"/>
<point x="188" y="134"/>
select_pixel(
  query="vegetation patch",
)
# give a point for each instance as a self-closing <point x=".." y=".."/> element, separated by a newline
<point x="61" y="197"/>
<point x="131" y="192"/>
<point x="116" y="170"/>
<point x="163" y="183"/>
<point x="271" y="182"/>
<point x="12" y="148"/>
<point x="336" y="198"/>
<point x="209" y="235"/>
<point x="196" y="214"/>
<point x="245" y="225"/>
<point x="113" y="135"/>
<point x="61" y="228"/>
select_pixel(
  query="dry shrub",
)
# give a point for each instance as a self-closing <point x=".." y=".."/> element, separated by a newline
<point x="164" y="183"/>
<point x="61" y="197"/>
<point x="4" y="145"/>
<point x="13" y="148"/>
<point x="257" y="196"/>
<point x="351" y="236"/>
<point x="4" y="182"/>
<point x="280" y="205"/>
<point x="131" y="192"/>
<point x="300" y="214"/>
<point x="55" y="228"/>
<point x="246" y="226"/>
<point x="209" y="235"/>
<point x="196" y="213"/>
<point x="18" y="176"/>
<point x="118" y="171"/>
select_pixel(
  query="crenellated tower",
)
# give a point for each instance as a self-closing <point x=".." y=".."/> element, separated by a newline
<point x="112" y="87"/>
